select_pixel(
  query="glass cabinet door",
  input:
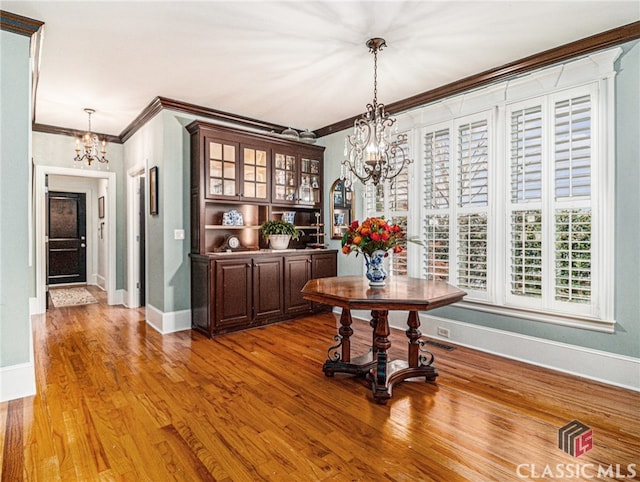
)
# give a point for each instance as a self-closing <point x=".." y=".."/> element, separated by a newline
<point x="310" y="188"/>
<point x="255" y="178"/>
<point x="285" y="178"/>
<point x="222" y="165"/>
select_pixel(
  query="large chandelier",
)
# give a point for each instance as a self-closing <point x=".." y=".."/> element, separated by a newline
<point x="371" y="155"/>
<point x="92" y="149"/>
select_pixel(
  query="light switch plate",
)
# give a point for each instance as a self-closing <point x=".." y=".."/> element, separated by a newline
<point x="178" y="234"/>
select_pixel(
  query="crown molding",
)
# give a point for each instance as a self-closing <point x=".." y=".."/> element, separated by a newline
<point x="64" y="131"/>
<point x="12" y="22"/>
<point x="563" y="53"/>
<point x="160" y="103"/>
<point x="566" y="52"/>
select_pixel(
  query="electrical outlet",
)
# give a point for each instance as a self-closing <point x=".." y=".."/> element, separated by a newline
<point x="178" y="234"/>
<point x="443" y="332"/>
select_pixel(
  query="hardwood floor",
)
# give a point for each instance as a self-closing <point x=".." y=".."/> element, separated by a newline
<point x="118" y="401"/>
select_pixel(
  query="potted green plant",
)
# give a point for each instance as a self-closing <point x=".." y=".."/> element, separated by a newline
<point x="278" y="233"/>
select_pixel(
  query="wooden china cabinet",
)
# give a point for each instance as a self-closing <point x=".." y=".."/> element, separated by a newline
<point x="236" y="281"/>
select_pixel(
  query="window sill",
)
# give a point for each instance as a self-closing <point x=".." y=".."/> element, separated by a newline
<point x="581" y="322"/>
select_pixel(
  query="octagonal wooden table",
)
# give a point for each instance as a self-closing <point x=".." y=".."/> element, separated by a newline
<point x="400" y="293"/>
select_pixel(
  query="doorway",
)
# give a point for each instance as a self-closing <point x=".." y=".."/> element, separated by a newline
<point x="136" y="237"/>
<point x="40" y="236"/>
<point x="67" y="247"/>
<point x="142" y="239"/>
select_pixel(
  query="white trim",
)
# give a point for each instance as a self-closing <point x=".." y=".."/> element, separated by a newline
<point x="132" y="295"/>
<point x="118" y="297"/>
<point x="17" y="381"/>
<point x="40" y="217"/>
<point x="165" y="323"/>
<point x="610" y="368"/>
<point x="582" y="322"/>
<point x="33" y="305"/>
<point x="100" y="282"/>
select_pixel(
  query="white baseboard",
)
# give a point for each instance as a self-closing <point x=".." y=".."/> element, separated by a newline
<point x="34" y="306"/>
<point x="611" y="368"/>
<point x="117" y="298"/>
<point x="99" y="281"/>
<point x="17" y="381"/>
<point x="170" y="322"/>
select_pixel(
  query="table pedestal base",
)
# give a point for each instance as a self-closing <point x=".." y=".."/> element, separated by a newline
<point x="340" y="362"/>
<point x="382" y="372"/>
<point x="398" y="371"/>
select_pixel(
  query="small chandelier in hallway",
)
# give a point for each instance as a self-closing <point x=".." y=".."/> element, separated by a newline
<point x="90" y="146"/>
<point x="372" y="156"/>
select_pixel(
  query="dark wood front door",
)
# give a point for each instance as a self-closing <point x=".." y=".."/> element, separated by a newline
<point x="67" y="238"/>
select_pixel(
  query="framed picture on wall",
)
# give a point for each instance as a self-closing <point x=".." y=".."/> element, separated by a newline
<point x="101" y="207"/>
<point x="153" y="190"/>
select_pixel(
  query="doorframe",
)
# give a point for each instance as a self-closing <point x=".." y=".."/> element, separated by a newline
<point x="133" y="258"/>
<point x="40" y="219"/>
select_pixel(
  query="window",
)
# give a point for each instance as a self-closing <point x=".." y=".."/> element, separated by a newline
<point x="392" y="201"/>
<point x="537" y="223"/>
<point x="550" y="158"/>
<point x="547" y="250"/>
<point x="515" y="195"/>
<point x="456" y="180"/>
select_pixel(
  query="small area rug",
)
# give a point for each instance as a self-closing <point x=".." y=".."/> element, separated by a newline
<point x="71" y="297"/>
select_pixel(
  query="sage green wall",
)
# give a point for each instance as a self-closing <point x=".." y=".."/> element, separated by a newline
<point x="55" y="150"/>
<point x="15" y="128"/>
<point x="164" y="142"/>
<point x="626" y="339"/>
<point x="176" y="184"/>
<point x="145" y="149"/>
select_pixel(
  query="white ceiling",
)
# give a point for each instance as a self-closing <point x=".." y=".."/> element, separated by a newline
<point x="302" y="64"/>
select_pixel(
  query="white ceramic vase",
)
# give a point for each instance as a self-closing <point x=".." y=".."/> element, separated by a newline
<point x="279" y="241"/>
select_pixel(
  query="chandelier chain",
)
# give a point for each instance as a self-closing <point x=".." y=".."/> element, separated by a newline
<point x="375" y="76"/>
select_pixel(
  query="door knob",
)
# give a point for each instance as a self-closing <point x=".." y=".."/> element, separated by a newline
<point x="83" y="245"/>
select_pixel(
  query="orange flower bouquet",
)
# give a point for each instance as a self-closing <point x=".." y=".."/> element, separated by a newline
<point x="372" y="235"/>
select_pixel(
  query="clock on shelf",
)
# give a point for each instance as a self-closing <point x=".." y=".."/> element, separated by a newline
<point x="231" y="243"/>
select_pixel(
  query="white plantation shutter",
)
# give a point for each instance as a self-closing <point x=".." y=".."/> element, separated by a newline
<point x="573" y="255"/>
<point x="550" y="215"/>
<point x="526" y="158"/>
<point x="391" y="200"/>
<point x="436" y="260"/>
<point x="472" y="251"/>
<point x="374" y="200"/>
<point x="437" y="172"/>
<point x="398" y="211"/>
<point x="526" y="154"/>
<point x="473" y="163"/>
<point x="526" y="253"/>
<point x="399" y="192"/>
<point x="472" y="204"/>
<point x="572" y="202"/>
<point x="437" y="156"/>
<point x="456" y="204"/>
<point x="399" y="265"/>
<point x="572" y="120"/>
